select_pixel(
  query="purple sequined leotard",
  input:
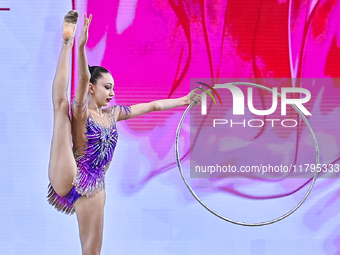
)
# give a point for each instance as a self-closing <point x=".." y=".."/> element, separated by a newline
<point x="93" y="159"/>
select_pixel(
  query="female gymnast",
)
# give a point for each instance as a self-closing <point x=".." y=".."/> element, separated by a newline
<point x="82" y="147"/>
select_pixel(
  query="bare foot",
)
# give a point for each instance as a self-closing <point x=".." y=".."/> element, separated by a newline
<point x="70" y="25"/>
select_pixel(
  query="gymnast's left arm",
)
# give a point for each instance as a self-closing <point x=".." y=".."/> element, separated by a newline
<point x="165" y="104"/>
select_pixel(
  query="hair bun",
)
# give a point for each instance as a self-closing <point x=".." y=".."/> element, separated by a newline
<point x="96" y="73"/>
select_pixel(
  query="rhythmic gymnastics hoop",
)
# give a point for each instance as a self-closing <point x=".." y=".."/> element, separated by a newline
<point x="239" y="222"/>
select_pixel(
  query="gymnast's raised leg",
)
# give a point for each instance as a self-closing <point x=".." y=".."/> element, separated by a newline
<point x="62" y="166"/>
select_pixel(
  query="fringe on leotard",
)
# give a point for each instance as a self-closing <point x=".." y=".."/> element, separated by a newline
<point x="60" y="203"/>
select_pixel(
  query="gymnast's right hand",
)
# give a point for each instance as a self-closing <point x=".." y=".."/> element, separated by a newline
<point x="84" y="36"/>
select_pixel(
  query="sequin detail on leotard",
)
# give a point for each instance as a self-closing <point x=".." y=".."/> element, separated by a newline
<point x="94" y="162"/>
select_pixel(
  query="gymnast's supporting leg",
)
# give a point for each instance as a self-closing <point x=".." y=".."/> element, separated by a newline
<point x="62" y="166"/>
<point x="90" y="215"/>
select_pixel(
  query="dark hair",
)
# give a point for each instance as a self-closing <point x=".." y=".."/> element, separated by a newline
<point x="96" y="73"/>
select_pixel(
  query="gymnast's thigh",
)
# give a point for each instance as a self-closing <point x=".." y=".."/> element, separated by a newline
<point x="90" y="215"/>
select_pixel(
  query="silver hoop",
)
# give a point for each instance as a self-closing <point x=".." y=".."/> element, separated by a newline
<point x="239" y="222"/>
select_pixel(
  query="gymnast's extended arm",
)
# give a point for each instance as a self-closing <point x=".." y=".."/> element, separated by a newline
<point x="83" y="72"/>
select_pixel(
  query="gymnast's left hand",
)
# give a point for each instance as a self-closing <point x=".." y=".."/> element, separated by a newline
<point x="197" y="98"/>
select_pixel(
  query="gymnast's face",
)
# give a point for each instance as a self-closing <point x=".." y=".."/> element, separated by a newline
<point x="103" y="91"/>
